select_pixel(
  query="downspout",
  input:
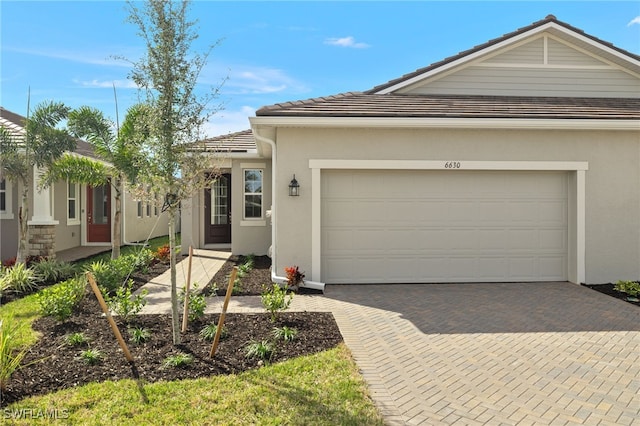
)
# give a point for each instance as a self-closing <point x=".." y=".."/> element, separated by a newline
<point x="274" y="221"/>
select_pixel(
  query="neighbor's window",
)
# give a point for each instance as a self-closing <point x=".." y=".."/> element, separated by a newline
<point x="253" y="193"/>
<point x="73" y="206"/>
<point x="5" y="200"/>
<point x="139" y="208"/>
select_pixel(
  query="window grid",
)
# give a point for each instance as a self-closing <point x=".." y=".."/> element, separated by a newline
<point x="253" y="193"/>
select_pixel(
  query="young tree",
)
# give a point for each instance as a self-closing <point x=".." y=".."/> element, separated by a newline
<point x="119" y="150"/>
<point x="42" y="143"/>
<point x="167" y="76"/>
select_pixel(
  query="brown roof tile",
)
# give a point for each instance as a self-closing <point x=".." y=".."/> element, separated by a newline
<point x="237" y="142"/>
<point x="357" y="104"/>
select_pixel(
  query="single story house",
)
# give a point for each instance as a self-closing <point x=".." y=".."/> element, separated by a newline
<point x="515" y="161"/>
<point x="68" y="215"/>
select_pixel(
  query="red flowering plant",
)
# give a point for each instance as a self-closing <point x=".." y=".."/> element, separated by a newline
<point x="294" y="276"/>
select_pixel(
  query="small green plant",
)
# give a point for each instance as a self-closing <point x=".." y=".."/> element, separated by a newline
<point x="58" y="301"/>
<point x="632" y="288"/>
<point x="263" y="349"/>
<point x="109" y="274"/>
<point x="19" y="279"/>
<point x="285" y="333"/>
<point x="91" y="356"/>
<point x="77" y="339"/>
<point x="209" y="331"/>
<point x="197" y="302"/>
<point x="139" y="335"/>
<point x="10" y="354"/>
<point x="175" y="361"/>
<point x="124" y="304"/>
<point x="51" y="270"/>
<point x="275" y="300"/>
<point x="143" y="259"/>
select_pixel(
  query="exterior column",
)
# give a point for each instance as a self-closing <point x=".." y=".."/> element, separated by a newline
<point x="42" y="226"/>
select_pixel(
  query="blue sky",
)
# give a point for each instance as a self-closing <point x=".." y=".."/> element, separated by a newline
<point x="270" y="51"/>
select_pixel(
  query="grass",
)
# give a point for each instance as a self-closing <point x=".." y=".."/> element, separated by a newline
<point x="320" y="389"/>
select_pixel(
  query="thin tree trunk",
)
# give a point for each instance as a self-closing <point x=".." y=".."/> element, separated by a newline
<point x="23" y="231"/>
<point x="117" y="232"/>
<point x="175" y="314"/>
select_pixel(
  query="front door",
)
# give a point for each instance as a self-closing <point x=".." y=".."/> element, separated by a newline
<point x="217" y="211"/>
<point x="99" y="214"/>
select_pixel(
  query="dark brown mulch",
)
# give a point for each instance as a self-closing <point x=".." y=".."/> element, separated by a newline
<point x="250" y="285"/>
<point x="609" y="290"/>
<point x="57" y="365"/>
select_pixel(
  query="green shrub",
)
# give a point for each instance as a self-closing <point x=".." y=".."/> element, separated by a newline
<point x="142" y="260"/>
<point x="52" y="270"/>
<point x="180" y="360"/>
<point x="275" y="300"/>
<point x="209" y="331"/>
<point x="139" y="335"/>
<point x="91" y="356"/>
<point x="58" y="301"/>
<point x="123" y="304"/>
<point x="632" y="288"/>
<point x="263" y="350"/>
<point x="10" y="354"/>
<point x="285" y="333"/>
<point x="110" y="274"/>
<point x="19" y="279"/>
<point x="76" y="339"/>
<point x="197" y="302"/>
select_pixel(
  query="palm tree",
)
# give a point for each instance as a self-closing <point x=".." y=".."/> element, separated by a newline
<point x="42" y="143"/>
<point x="119" y="158"/>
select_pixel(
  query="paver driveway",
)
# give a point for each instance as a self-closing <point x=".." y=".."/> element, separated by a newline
<point x="535" y="353"/>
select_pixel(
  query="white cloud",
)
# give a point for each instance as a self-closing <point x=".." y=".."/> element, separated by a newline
<point x="346" y="42"/>
<point x="225" y="122"/>
<point x="635" y="20"/>
<point x="251" y="80"/>
<point x="97" y="84"/>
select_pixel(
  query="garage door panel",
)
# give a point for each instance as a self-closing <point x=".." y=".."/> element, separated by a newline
<point x="432" y="226"/>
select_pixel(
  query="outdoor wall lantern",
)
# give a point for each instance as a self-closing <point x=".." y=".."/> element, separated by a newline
<point x="294" y="187"/>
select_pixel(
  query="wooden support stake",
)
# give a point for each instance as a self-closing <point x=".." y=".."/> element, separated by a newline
<point x="227" y="296"/>
<point x="105" y="309"/>
<point x="185" y="314"/>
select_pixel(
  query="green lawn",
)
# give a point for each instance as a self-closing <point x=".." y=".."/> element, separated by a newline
<point x="320" y="389"/>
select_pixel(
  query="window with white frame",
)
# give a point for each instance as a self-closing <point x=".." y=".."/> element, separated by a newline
<point x="6" y="211"/>
<point x="73" y="203"/>
<point x="253" y="193"/>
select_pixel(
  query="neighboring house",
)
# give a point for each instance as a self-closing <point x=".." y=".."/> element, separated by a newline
<point x="68" y="215"/>
<point x="517" y="160"/>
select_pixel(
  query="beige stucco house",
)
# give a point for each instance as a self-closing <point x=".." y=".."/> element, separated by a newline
<point x="517" y="160"/>
<point x="68" y="215"/>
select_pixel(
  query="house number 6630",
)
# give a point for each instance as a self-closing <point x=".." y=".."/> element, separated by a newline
<point x="452" y="165"/>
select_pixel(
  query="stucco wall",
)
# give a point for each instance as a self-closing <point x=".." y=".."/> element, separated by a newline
<point x="612" y="197"/>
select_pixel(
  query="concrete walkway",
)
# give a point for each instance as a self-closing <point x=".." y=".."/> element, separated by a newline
<point x="478" y="354"/>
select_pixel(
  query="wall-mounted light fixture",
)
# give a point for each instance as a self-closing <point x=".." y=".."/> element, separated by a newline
<point x="294" y="187"/>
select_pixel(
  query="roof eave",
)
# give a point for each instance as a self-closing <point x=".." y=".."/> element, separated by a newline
<point x="447" y="122"/>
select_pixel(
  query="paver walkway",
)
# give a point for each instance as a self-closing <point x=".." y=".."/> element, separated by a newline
<point x="494" y="354"/>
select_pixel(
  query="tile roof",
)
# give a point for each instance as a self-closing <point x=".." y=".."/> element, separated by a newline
<point x="15" y="124"/>
<point x="358" y="104"/>
<point x="238" y="142"/>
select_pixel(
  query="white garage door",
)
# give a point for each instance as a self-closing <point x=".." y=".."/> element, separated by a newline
<point x="443" y="226"/>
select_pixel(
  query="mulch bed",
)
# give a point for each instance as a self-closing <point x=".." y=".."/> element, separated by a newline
<point x="52" y="364"/>
<point x="609" y="290"/>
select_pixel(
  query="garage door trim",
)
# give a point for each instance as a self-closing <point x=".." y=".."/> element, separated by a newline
<point x="577" y="202"/>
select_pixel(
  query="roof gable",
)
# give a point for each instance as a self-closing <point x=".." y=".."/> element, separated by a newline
<point x="548" y="50"/>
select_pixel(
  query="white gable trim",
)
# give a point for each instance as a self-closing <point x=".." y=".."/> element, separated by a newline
<point x="577" y="270"/>
<point x="452" y="123"/>
<point x="508" y="42"/>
